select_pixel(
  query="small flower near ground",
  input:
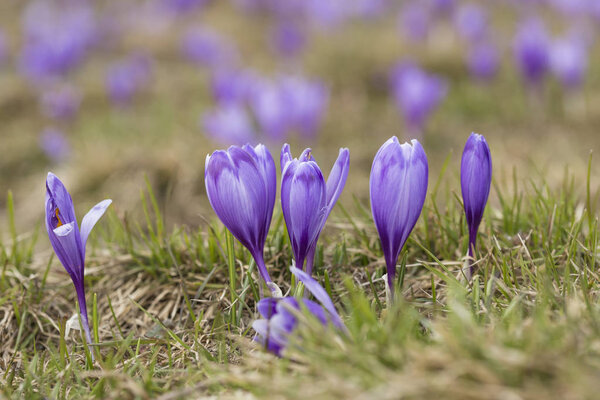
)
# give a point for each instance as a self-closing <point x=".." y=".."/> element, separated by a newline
<point x="68" y="239"/>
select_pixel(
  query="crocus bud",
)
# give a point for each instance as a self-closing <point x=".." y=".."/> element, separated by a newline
<point x="475" y="181"/>
<point x="241" y="187"/>
<point x="67" y="239"/>
<point x="398" y="186"/>
<point x="304" y="208"/>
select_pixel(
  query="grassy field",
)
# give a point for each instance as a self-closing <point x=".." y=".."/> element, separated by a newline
<point x="166" y="321"/>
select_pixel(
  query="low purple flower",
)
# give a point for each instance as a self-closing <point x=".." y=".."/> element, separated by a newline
<point x="569" y="61"/>
<point x="207" y="48"/>
<point x="228" y="124"/>
<point x="307" y="200"/>
<point x="61" y="103"/>
<point x="398" y="185"/>
<point x="483" y="60"/>
<point x="471" y="22"/>
<point x="54" y="144"/>
<point x="417" y="94"/>
<point x="3" y="48"/>
<point x="475" y="181"/>
<point x="279" y="314"/>
<point x="532" y="51"/>
<point x="241" y="185"/>
<point x="414" y="21"/>
<point x="126" y="78"/>
<point x="68" y="240"/>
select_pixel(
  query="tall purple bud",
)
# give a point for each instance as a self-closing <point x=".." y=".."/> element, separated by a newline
<point x="398" y="185"/>
<point x="475" y="181"/>
<point x="307" y="200"/>
<point x="241" y="185"/>
<point x="68" y="240"/>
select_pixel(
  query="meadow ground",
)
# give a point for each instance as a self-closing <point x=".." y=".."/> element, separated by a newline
<point x="167" y="320"/>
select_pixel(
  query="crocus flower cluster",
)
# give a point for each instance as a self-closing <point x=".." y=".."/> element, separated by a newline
<point x="280" y="314"/>
<point x="241" y="188"/>
<point x="68" y="239"/>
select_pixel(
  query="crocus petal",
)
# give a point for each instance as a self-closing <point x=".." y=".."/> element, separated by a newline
<point x="266" y="307"/>
<point x="266" y="165"/>
<point x="285" y="157"/>
<point x="68" y="249"/>
<point x="90" y="219"/>
<point x="337" y="178"/>
<point x="320" y="294"/>
<point x="303" y="200"/>
<point x="60" y="198"/>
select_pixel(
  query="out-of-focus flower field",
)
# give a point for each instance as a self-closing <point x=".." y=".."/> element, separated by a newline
<point x="103" y="93"/>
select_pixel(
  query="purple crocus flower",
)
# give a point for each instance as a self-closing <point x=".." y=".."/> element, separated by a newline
<point x="471" y="22"/>
<point x="307" y="200"/>
<point x="54" y="144"/>
<point x="414" y="21"/>
<point x="483" y="60"/>
<point x="417" y="94"/>
<point x="288" y="38"/>
<point x="126" y="78"/>
<point x="279" y="314"/>
<point x="568" y="61"/>
<point x="241" y="185"/>
<point x="306" y="102"/>
<point x="398" y="185"/>
<point x="207" y="48"/>
<point x="475" y="181"/>
<point x="231" y="85"/>
<point x="228" y="124"/>
<point x="268" y="102"/>
<point x="61" y="103"/>
<point x="532" y="51"/>
<point x="57" y="39"/>
<point x="68" y="240"/>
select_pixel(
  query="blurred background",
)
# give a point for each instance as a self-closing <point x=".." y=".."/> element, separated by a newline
<point x="104" y="93"/>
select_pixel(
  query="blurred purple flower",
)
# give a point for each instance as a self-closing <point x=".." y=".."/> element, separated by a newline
<point x="475" y="181"/>
<point x="532" y="51"/>
<point x="268" y="103"/>
<point x="279" y="314"/>
<point x="569" y="61"/>
<point x="306" y="102"/>
<point x="3" y="48"/>
<point x="414" y="20"/>
<point x="443" y="7"/>
<point x="68" y="240"/>
<point x="54" y="144"/>
<point x="327" y="13"/>
<point x="229" y="124"/>
<point x="471" y="21"/>
<point x="307" y="200"/>
<point x="61" y="102"/>
<point x="288" y="38"/>
<point x="183" y="6"/>
<point x="483" y="60"/>
<point x="126" y="78"/>
<point x="398" y="186"/>
<point x="208" y="48"/>
<point x="56" y="39"/>
<point x="230" y="85"/>
<point x="417" y="94"/>
<point x="241" y="186"/>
